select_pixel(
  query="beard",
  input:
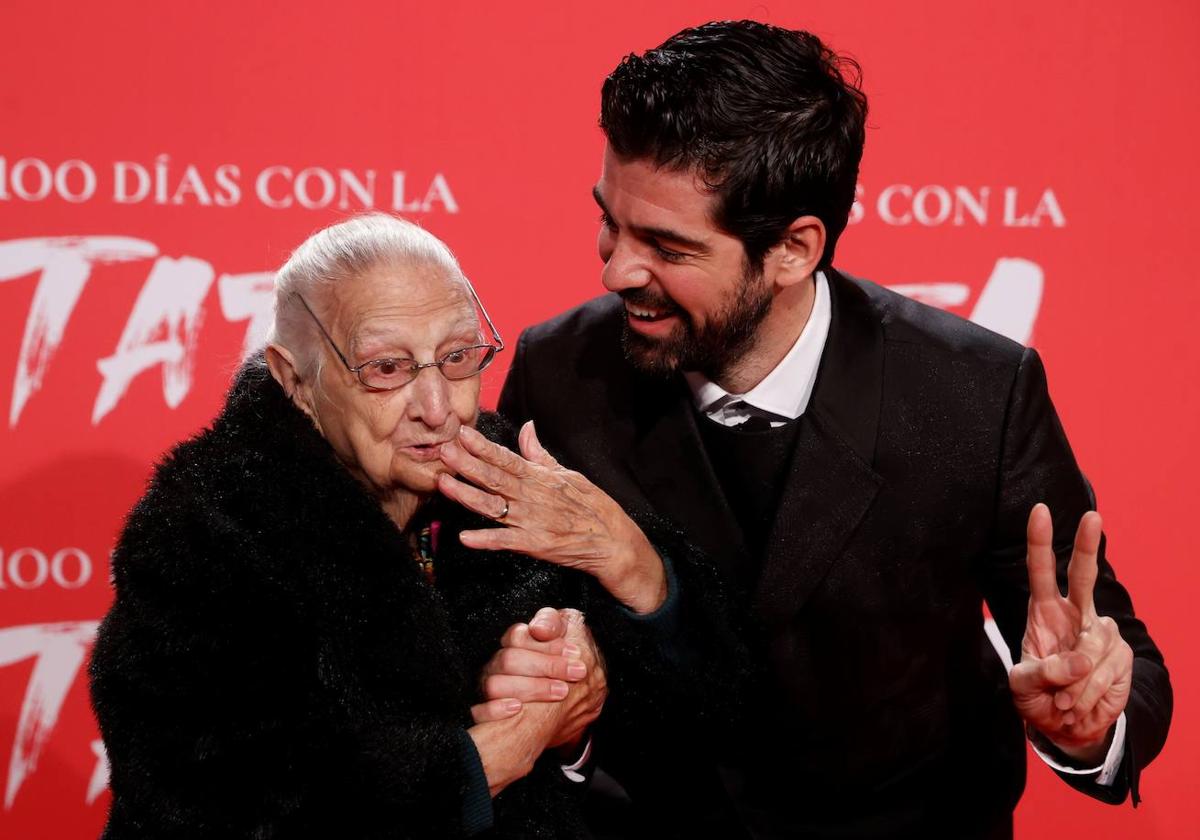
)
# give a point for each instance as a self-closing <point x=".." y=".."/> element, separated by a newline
<point x="711" y="349"/>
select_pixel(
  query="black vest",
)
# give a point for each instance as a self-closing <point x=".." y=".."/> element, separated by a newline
<point x="750" y="467"/>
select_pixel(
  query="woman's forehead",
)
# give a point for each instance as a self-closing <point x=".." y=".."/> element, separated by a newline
<point x="412" y="306"/>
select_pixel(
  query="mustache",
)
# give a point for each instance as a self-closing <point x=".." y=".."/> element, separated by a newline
<point x="648" y="300"/>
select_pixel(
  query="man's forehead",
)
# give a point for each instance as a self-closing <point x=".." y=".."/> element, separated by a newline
<point x="657" y="201"/>
<point x="647" y="188"/>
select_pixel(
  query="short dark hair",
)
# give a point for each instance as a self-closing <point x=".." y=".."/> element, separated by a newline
<point x="771" y="118"/>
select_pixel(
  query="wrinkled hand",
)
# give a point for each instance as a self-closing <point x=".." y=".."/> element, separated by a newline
<point x="553" y="514"/>
<point x="1075" y="673"/>
<point x="553" y="659"/>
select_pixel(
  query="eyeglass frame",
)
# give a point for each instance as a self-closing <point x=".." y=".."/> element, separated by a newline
<point x="416" y="367"/>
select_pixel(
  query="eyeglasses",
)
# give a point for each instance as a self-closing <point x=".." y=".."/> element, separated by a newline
<point x="389" y="374"/>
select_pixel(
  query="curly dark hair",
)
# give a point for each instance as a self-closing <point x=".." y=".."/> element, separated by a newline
<point x="771" y="118"/>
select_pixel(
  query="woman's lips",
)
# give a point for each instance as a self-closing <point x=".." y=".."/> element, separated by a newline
<point x="423" y="451"/>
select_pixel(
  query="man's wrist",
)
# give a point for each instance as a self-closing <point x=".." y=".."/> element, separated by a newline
<point x="571" y="771"/>
<point x="1083" y="755"/>
<point x="569" y="748"/>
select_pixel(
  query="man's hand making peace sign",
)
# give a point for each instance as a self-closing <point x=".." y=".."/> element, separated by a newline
<point x="1073" y="680"/>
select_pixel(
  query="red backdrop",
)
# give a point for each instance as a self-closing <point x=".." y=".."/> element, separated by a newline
<point x="1029" y="165"/>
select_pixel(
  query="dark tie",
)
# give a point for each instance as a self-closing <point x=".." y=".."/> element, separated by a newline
<point x="755" y="423"/>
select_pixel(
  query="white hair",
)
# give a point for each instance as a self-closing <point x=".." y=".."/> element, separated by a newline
<point x="341" y="252"/>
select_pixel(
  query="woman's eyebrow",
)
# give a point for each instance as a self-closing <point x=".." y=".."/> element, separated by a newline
<point x="373" y="344"/>
<point x="368" y="339"/>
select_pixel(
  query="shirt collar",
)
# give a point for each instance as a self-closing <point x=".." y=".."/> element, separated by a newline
<point x="786" y="390"/>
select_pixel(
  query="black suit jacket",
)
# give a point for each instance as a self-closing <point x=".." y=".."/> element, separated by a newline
<point x="883" y="709"/>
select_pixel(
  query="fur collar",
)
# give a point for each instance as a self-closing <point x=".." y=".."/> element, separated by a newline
<point x="266" y="607"/>
<point x="269" y="516"/>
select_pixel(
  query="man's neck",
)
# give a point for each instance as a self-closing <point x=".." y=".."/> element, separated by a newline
<point x="775" y="336"/>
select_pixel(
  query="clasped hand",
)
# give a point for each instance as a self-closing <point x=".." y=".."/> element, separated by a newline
<point x="1075" y="673"/>
<point x="551" y="660"/>
<point x="542" y="689"/>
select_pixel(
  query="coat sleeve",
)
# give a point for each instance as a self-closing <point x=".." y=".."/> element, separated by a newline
<point x="213" y="696"/>
<point x="1037" y="466"/>
<point x="678" y="676"/>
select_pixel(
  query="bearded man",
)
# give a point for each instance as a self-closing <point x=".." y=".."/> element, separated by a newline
<point x="868" y="472"/>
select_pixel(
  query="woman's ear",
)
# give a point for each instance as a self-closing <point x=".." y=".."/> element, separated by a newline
<point x="800" y="251"/>
<point x="286" y="372"/>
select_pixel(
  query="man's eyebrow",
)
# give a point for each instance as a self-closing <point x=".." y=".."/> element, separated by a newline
<point x="599" y="200"/>
<point x="667" y="234"/>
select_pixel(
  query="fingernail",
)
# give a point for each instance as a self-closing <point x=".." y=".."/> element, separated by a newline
<point x="468" y="433"/>
<point x="512" y="706"/>
<point x="1079" y="666"/>
<point x="576" y="670"/>
<point x="558" y="689"/>
<point x="1069" y="719"/>
<point x="1063" y="701"/>
<point x="571" y="651"/>
<point x="539" y="624"/>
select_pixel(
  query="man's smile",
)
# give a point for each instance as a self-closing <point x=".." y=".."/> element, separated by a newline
<point x="651" y="321"/>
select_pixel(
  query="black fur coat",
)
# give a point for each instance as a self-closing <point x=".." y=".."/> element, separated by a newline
<point x="275" y="664"/>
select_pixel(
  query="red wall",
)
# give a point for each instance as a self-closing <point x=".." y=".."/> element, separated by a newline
<point x="1081" y="117"/>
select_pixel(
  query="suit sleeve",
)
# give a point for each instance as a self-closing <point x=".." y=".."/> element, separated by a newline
<point x="1037" y="466"/>
<point x="682" y="666"/>
<point x="214" y="698"/>
<point x="512" y="404"/>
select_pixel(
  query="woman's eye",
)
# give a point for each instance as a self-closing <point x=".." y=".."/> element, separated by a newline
<point x="387" y="367"/>
<point x="457" y="357"/>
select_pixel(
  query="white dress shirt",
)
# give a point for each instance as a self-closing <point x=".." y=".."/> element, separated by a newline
<point x="783" y="395"/>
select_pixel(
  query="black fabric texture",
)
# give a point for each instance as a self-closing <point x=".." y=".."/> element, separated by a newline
<point x="477" y="815"/>
<point x="882" y="710"/>
<point x="275" y="665"/>
<point x="750" y="466"/>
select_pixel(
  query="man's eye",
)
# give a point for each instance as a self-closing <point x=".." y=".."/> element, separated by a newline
<point x="669" y="255"/>
<point x="607" y="221"/>
<point x="457" y="357"/>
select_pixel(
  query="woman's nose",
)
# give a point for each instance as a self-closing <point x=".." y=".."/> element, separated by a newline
<point x="429" y="400"/>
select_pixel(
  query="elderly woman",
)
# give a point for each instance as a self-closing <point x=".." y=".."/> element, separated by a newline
<point x="298" y="636"/>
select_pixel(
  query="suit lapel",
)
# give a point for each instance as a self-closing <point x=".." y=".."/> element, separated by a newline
<point x="831" y="483"/>
<point x="674" y="472"/>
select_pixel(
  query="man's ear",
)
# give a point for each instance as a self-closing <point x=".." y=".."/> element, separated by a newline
<point x="800" y="251"/>
<point x="286" y="372"/>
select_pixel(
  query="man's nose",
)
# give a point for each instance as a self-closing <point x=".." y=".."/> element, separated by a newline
<point x="624" y="268"/>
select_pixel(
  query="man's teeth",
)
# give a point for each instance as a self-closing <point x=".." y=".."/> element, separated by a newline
<point x="638" y="312"/>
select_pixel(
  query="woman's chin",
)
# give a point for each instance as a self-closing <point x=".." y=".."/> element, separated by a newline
<point x="420" y="478"/>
